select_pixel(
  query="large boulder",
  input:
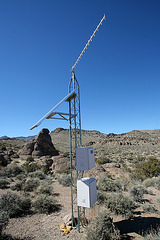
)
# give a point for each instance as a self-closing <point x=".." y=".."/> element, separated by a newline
<point x="27" y="150"/>
<point x="41" y="146"/>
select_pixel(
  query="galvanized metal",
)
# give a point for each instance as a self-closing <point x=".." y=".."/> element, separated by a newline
<point x="54" y="108"/>
<point x="72" y="69"/>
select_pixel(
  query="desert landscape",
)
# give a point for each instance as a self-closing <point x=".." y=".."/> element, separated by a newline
<point x="35" y="186"/>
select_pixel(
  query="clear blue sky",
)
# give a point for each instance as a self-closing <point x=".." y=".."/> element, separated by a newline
<point x="119" y="74"/>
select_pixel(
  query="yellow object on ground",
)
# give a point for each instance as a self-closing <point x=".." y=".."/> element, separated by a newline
<point x="66" y="229"/>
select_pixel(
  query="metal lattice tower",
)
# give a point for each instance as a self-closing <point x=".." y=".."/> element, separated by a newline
<point x="74" y="118"/>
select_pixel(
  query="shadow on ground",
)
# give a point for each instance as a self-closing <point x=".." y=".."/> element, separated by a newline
<point x="139" y="225"/>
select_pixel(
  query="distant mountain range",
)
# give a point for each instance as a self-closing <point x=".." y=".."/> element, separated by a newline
<point x="21" y="138"/>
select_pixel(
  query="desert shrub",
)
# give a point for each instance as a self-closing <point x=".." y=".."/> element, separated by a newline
<point x="30" y="167"/>
<point x="121" y="205"/>
<point x="153" y="182"/>
<point x="10" y="203"/>
<point x="30" y="159"/>
<point x="25" y="202"/>
<point x="65" y="171"/>
<point x="49" y="180"/>
<point x="102" y="228"/>
<point x="101" y="197"/>
<point x="3" y="220"/>
<point x="64" y="179"/>
<point x="44" y="204"/>
<point x="137" y="192"/>
<point x="37" y="174"/>
<point x="99" y="161"/>
<point x="152" y="235"/>
<point x="44" y="188"/>
<point x="102" y="160"/>
<point x="18" y="186"/>
<point x="31" y="184"/>
<point x="13" y="170"/>
<point x="147" y="207"/>
<point x="21" y="176"/>
<point x="108" y="185"/>
<point x="4" y="183"/>
<point x="158" y="200"/>
<point x="147" y="169"/>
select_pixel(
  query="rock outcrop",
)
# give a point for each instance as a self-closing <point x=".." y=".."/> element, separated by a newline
<point x="41" y="146"/>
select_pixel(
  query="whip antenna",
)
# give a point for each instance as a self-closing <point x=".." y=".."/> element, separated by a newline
<point x="72" y="69"/>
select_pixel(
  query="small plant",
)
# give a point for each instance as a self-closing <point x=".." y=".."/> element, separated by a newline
<point x="18" y="186"/>
<point x="121" y="205"/>
<point x="25" y="202"/>
<point x="153" y="234"/>
<point x="152" y="182"/>
<point x="30" y="159"/>
<point x="99" y="161"/>
<point x="102" y="228"/>
<point x="64" y="179"/>
<point x="37" y="174"/>
<point x="108" y="185"/>
<point x="10" y="203"/>
<point x="21" y="176"/>
<point x="101" y="197"/>
<point x="137" y="192"/>
<point x="31" y="167"/>
<point x="44" y="188"/>
<point x="3" y="220"/>
<point x="44" y="204"/>
<point x="4" y="183"/>
<point x="147" y="207"/>
<point x="31" y="184"/>
<point x="147" y="169"/>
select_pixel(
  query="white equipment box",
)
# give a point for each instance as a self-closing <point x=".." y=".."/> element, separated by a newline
<point x="86" y="192"/>
<point x="85" y="159"/>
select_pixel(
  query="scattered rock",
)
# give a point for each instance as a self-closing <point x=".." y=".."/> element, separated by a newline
<point x="60" y="163"/>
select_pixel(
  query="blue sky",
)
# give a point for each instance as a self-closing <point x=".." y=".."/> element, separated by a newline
<point x="119" y="74"/>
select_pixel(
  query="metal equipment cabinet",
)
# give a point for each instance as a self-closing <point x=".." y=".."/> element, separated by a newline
<point x="85" y="159"/>
<point x="86" y="192"/>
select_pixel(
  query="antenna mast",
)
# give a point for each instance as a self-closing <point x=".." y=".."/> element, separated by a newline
<point x="75" y="135"/>
<point x="84" y="49"/>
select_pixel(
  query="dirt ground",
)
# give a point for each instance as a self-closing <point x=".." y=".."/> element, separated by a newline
<point x="42" y="226"/>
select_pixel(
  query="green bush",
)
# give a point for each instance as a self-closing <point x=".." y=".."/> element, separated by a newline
<point x="101" y="197"/>
<point x="44" y="204"/>
<point x="64" y="179"/>
<point x="99" y="161"/>
<point x="4" y="183"/>
<point x="31" y="167"/>
<point x="21" y="176"/>
<point x="18" y="186"/>
<point x="10" y="203"/>
<point x="108" y="185"/>
<point x="137" y="192"/>
<point x="25" y="203"/>
<point x="30" y="159"/>
<point x="102" y="228"/>
<point x="44" y="188"/>
<point x="147" y="207"/>
<point x="31" y="184"/>
<point x="152" y="182"/>
<point x="147" y="169"/>
<point x="121" y="205"/>
<point x="3" y="220"/>
<point x="37" y="174"/>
